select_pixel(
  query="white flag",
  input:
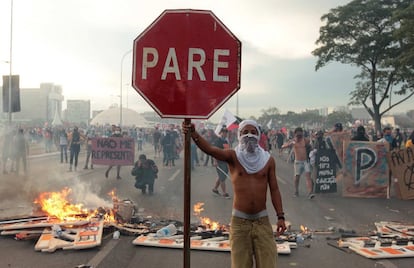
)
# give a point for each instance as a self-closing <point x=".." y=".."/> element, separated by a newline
<point x="228" y="120"/>
<point x="269" y="125"/>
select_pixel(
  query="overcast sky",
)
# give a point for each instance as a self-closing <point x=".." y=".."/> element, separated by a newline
<point x="79" y="44"/>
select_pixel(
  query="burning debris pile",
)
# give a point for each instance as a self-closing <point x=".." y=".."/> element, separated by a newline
<point x="64" y="225"/>
<point x="58" y="205"/>
<point x="206" y="234"/>
<point x="60" y="224"/>
<point x="205" y="222"/>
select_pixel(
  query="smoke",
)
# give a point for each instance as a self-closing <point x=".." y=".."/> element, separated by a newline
<point x="82" y="193"/>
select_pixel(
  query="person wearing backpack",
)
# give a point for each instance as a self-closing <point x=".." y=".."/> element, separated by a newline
<point x="74" y="138"/>
<point x="145" y="172"/>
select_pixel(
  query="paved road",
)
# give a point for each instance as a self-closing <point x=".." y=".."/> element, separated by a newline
<point x="91" y="187"/>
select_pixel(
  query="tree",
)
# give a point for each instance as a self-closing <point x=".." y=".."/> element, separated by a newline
<point x="268" y="114"/>
<point x="406" y="37"/>
<point x="338" y="117"/>
<point x="363" y="33"/>
<point x="406" y="34"/>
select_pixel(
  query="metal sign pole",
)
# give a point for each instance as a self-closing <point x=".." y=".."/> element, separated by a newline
<point x="10" y="63"/>
<point x="187" y="194"/>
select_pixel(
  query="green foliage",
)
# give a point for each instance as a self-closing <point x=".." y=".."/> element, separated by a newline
<point x="367" y="34"/>
<point x="308" y="119"/>
<point x="338" y="117"/>
<point x="267" y="114"/>
<point x="406" y="34"/>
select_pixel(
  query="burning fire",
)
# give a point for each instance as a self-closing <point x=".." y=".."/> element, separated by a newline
<point x="198" y="208"/>
<point x="210" y="224"/>
<point x="304" y="229"/>
<point x="58" y="204"/>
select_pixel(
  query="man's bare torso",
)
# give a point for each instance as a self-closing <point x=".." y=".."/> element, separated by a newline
<point x="250" y="189"/>
<point x="299" y="149"/>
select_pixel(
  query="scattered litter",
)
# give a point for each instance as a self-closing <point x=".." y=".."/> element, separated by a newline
<point x="335" y="245"/>
<point x="116" y="235"/>
<point x="392" y="240"/>
<point x="395" y="210"/>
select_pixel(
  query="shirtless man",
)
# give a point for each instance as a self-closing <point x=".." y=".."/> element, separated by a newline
<point x="252" y="171"/>
<point x="301" y="165"/>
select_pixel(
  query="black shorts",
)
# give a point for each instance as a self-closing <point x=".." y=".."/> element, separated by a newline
<point x="222" y="172"/>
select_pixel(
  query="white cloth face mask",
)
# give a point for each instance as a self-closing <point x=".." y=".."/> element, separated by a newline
<point x="249" y="142"/>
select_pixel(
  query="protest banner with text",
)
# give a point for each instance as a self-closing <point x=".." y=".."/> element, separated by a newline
<point x="113" y="151"/>
<point x="401" y="163"/>
<point x="325" y="176"/>
<point x="336" y="142"/>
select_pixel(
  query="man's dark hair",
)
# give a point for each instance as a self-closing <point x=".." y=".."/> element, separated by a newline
<point x="386" y="128"/>
<point x="298" y="129"/>
<point x="361" y="130"/>
<point x="338" y="127"/>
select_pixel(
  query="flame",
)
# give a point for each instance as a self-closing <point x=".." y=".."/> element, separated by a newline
<point x="198" y="208"/>
<point x="58" y="204"/>
<point x="213" y="225"/>
<point x="304" y="229"/>
<point x="112" y="194"/>
<point x="210" y="224"/>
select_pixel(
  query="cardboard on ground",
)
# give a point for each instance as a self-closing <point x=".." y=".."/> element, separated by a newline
<point x="87" y="236"/>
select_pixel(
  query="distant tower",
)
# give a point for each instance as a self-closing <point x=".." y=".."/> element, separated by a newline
<point x="56" y="119"/>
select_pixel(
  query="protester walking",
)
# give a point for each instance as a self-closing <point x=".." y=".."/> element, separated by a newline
<point x="63" y="145"/>
<point x="156" y="141"/>
<point x="221" y="166"/>
<point x="74" y="146"/>
<point x="301" y="150"/>
<point x="89" y="136"/>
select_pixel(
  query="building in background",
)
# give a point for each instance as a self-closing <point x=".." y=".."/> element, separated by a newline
<point x="78" y="112"/>
<point x="39" y="105"/>
<point x="325" y="111"/>
<point x="361" y="114"/>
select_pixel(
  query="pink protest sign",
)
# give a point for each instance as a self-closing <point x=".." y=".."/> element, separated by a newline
<point x="113" y="151"/>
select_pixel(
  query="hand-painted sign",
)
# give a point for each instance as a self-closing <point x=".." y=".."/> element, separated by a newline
<point x="401" y="163"/>
<point x="325" y="177"/>
<point x="365" y="170"/>
<point x="336" y="141"/>
<point x="113" y="151"/>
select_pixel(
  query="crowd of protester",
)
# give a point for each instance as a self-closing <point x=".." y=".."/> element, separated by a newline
<point x="167" y="142"/>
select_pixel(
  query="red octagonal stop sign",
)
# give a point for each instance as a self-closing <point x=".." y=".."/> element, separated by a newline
<point x="186" y="64"/>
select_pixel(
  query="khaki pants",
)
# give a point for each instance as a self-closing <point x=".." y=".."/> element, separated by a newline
<point x="250" y="238"/>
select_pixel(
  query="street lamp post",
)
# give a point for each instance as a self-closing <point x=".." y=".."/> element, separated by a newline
<point x="127" y="84"/>
<point x="120" y="105"/>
